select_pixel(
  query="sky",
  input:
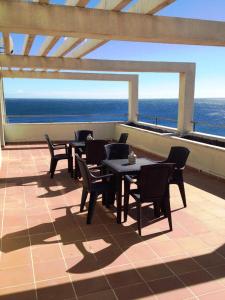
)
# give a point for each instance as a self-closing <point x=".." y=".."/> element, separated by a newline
<point x="210" y="63"/>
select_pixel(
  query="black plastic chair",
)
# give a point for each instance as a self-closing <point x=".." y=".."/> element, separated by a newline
<point x="95" y="152"/>
<point x="178" y="156"/>
<point x="94" y="185"/>
<point x="153" y="186"/>
<point x="123" y="138"/>
<point x="56" y="157"/>
<point x="117" y="151"/>
<point x="81" y="135"/>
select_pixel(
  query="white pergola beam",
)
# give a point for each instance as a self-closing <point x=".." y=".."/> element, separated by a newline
<point x="68" y="75"/>
<point x="108" y="25"/>
<point x="50" y="41"/>
<point x="58" y="63"/>
<point x="141" y="7"/>
<point x="6" y="40"/>
<point x="149" y="6"/>
<point x="71" y="43"/>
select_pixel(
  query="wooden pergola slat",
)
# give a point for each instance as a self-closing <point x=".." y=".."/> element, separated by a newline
<point x="70" y="43"/>
<point x="6" y="40"/>
<point x="142" y="7"/>
<point x="51" y="41"/>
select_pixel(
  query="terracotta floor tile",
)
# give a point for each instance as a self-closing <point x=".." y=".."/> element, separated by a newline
<point x="93" y="283"/>
<point x="136" y="291"/>
<point x="15" y="258"/>
<point x="170" y="288"/>
<point x="213" y="296"/>
<point x="139" y="253"/>
<point x="15" y="276"/>
<point x="196" y="242"/>
<point x="210" y="259"/>
<point x="122" y="275"/>
<point x="60" y="288"/>
<point x="152" y="270"/>
<point x="49" y="270"/>
<point x="200" y="282"/>
<point x="94" y="231"/>
<point x="46" y="253"/>
<point x="181" y="264"/>
<point x="21" y="292"/>
<point x="167" y="248"/>
<point x="71" y="235"/>
<point x="107" y="294"/>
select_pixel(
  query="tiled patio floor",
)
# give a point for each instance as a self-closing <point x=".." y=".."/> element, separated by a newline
<point x="48" y="251"/>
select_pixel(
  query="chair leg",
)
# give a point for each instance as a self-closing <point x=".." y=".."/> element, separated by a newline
<point x="139" y="217"/>
<point x="156" y="206"/>
<point x="53" y="166"/>
<point x="182" y="192"/>
<point x="83" y="199"/>
<point x="126" y="199"/>
<point x="168" y="212"/>
<point x="70" y="164"/>
<point x="92" y="202"/>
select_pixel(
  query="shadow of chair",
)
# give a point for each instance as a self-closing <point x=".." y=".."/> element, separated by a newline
<point x="123" y="138"/>
<point x="56" y="157"/>
<point x="178" y="156"/>
<point x="152" y="186"/>
<point x="94" y="185"/>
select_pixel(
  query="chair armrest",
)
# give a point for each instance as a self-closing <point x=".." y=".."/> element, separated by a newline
<point x="102" y="176"/>
<point x="130" y="179"/>
<point x="95" y="167"/>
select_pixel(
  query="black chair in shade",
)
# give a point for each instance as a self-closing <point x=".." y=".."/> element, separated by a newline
<point x="178" y="156"/>
<point x="152" y="186"/>
<point x="123" y="138"/>
<point x="95" y="151"/>
<point x="94" y="185"/>
<point x="56" y="157"/>
<point x="81" y="135"/>
<point x="117" y="151"/>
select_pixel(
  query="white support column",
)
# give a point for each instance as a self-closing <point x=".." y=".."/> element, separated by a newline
<point x="186" y="102"/>
<point x="2" y="140"/>
<point x="2" y="113"/>
<point x="133" y="100"/>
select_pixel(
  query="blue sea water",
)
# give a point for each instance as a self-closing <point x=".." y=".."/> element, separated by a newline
<point x="209" y="114"/>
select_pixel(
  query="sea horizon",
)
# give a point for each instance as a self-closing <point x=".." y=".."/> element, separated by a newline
<point x="209" y="113"/>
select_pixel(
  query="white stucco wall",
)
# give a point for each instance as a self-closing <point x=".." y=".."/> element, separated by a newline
<point x="203" y="157"/>
<point x="57" y="131"/>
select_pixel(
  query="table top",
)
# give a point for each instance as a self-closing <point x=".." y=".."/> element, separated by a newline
<point x="122" y="166"/>
<point x="77" y="143"/>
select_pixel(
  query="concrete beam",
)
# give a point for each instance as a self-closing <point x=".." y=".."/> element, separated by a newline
<point x="58" y="63"/>
<point x="68" y="76"/>
<point x="107" y="25"/>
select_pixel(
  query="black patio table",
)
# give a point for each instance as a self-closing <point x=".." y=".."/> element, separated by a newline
<point x="76" y="145"/>
<point x="121" y="167"/>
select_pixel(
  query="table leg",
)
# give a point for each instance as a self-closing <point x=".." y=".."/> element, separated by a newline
<point x="71" y="155"/>
<point x="119" y="197"/>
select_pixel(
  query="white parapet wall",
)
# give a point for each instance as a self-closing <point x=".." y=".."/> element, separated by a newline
<point x="207" y="158"/>
<point x="57" y="131"/>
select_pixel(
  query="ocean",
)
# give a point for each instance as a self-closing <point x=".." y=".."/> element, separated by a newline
<point x="209" y="114"/>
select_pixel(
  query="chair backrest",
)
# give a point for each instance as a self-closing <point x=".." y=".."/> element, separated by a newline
<point x="95" y="151"/>
<point x="85" y="173"/>
<point x="117" y="151"/>
<point x="123" y="138"/>
<point x="178" y="156"/>
<point x="153" y="181"/>
<point x="50" y="145"/>
<point x="81" y="135"/>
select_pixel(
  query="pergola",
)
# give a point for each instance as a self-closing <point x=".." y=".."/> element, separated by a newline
<point x="84" y="29"/>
